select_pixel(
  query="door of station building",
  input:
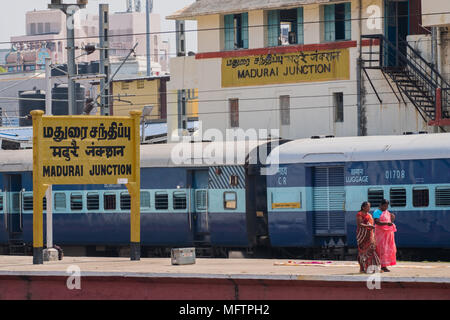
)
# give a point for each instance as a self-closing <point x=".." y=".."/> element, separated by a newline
<point x="329" y="201"/>
<point x="13" y="205"/>
<point x="396" y="30"/>
<point x="199" y="205"/>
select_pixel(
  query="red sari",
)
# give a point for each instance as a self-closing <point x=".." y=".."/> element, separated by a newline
<point x="384" y="236"/>
<point x="367" y="255"/>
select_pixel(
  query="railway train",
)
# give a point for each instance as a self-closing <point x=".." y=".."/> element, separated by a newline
<point x="273" y="198"/>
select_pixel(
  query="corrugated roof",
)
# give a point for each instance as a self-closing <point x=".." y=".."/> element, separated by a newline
<point x="208" y="7"/>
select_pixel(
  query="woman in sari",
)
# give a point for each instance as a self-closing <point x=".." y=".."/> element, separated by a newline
<point x="367" y="257"/>
<point x="384" y="235"/>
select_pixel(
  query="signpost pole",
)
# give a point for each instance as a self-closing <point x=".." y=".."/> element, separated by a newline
<point x="38" y="192"/>
<point x="135" y="194"/>
<point x="48" y="112"/>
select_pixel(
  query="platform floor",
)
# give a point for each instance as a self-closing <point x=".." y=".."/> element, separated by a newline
<point x="225" y="268"/>
<point x="218" y="279"/>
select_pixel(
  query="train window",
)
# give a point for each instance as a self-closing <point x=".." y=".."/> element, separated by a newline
<point x="125" y="201"/>
<point x="179" y="200"/>
<point x="76" y="201"/>
<point x="229" y="200"/>
<point x="443" y="197"/>
<point x="93" y="201"/>
<point x="421" y="197"/>
<point x="44" y="203"/>
<point x="161" y="201"/>
<point x="201" y="199"/>
<point x="374" y="196"/>
<point x="145" y="199"/>
<point x="60" y="201"/>
<point x="1" y="203"/>
<point x="27" y="203"/>
<point x="234" y="180"/>
<point x="398" y="197"/>
<point x="109" y="201"/>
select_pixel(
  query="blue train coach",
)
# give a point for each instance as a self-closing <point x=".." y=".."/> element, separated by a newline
<point x="320" y="184"/>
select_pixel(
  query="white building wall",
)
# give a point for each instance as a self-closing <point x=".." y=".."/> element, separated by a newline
<point x="312" y="111"/>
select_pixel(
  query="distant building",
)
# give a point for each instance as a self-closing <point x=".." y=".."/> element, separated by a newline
<point x="138" y="92"/>
<point x="293" y="65"/>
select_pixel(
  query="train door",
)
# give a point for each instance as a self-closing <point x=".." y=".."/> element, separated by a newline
<point x="199" y="205"/>
<point x="13" y="206"/>
<point x="329" y="201"/>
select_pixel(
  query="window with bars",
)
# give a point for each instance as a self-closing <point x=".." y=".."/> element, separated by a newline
<point x="337" y="21"/>
<point x="179" y="200"/>
<point x="76" y="201"/>
<point x="59" y="201"/>
<point x="285" y="112"/>
<point x="125" y="85"/>
<point x="234" y="113"/>
<point x="442" y="196"/>
<point x="285" y="27"/>
<point x="161" y="201"/>
<point x="140" y="84"/>
<point x="398" y="197"/>
<point x="421" y="197"/>
<point x="93" y="201"/>
<point x="1" y="203"/>
<point x="236" y="31"/>
<point x="145" y="199"/>
<point x="374" y="196"/>
<point x="201" y="199"/>
<point x="27" y="203"/>
<point x="125" y="201"/>
<point x="109" y="201"/>
<point x="338" y="101"/>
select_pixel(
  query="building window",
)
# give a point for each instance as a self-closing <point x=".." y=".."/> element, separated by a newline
<point x="109" y="201"/>
<point x="125" y="85"/>
<point x="398" y="197"/>
<point x="140" y="84"/>
<point x="285" y="113"/>
<point x="40" y="28"/>
<point x="93" y="201"/>
<point x="47" y="27"/>
<point x="337" y="22"/>
<point x="443" y="197"/>
<point x="421" y="197"/>
<point x="32" y="29"/>
<point x="285" y="27"/>
<point x="338" y="102"/>
<point x="236" y="31"/>
<point x="234" y="113"/>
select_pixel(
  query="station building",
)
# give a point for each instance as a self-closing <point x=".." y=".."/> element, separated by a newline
<point x="316" y="67"/>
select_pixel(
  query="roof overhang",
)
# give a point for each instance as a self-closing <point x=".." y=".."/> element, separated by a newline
<point x="210" y="7"/>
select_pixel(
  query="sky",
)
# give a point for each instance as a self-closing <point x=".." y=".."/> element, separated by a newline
<point x="13" y="23"/>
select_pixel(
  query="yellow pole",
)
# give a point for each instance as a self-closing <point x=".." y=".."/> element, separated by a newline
<point x="38" y="191"/>
<point x="134" y="188"/>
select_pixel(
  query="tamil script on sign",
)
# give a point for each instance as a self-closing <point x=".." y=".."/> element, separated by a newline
<point x="301" y="66"/>
<point x="79" y="151"/>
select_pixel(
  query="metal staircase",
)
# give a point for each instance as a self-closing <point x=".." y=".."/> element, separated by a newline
<point x="414" y="77"/>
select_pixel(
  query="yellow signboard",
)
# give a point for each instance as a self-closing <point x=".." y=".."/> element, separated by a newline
<point x="304" y="66"/>
<point x="86" y="150"/>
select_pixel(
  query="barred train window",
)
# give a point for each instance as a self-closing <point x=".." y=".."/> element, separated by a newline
<point x="161" y="201"/>
<point x="27" y="203"/>
<point x="145" y="199"/>
<point x="398" y="197"/>
<point x="443" y="197"/>
<point x="125" y="201"/>
<point x="1" y="203"/>
<point x="374" y="196"/>
<point x="60" y="201"/>
<point x="93" y="201"/>
<point x="421" y="197"/>
<point x="109" y="201"/>
<point x="76" y="201"/>
<point x="179" y="200"/>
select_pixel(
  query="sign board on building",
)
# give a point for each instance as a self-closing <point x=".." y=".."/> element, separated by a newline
<point x="278" y="68"/>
